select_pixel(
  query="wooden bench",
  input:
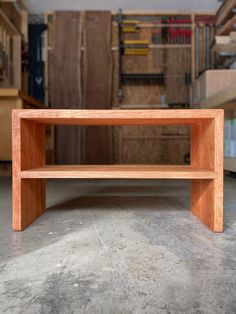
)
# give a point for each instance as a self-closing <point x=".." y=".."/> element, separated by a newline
<point x="205" y="169"/>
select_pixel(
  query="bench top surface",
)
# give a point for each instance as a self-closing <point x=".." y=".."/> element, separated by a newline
<point x="112" y="116"/>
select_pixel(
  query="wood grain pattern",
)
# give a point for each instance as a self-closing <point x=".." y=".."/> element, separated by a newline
<point x="207" y="152"/>
<point x="118" y="117"/>
<point x="205" y="171"/>
<point x="29" y="201"/>
<point x="97" y="84"/>
<point x="28" y="151"/>
<point x="119" y="172"/>
<point x="212" y="82"/>
<point x="97" y="58"/>
<point x="65" y="77"/>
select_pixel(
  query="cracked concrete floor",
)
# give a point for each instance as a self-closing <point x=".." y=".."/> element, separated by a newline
<point x="117" y="247"/>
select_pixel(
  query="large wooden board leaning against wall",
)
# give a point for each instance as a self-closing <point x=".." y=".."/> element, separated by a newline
<point x="97" y="84"/>
<point x="65" y="81"/>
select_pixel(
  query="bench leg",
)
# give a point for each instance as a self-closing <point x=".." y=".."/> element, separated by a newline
<point x="207" y="153"/>
<point x="28" y="152"/>
<point x="28" y="201"/>
<point x="207" y="202"/>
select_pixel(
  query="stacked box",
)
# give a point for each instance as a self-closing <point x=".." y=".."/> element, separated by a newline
<point x="230" y="138"/>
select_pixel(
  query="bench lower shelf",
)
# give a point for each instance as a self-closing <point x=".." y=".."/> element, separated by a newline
<point x="118" y="172"/>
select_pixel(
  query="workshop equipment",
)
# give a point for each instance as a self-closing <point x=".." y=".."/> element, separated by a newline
<point x="130" y="26"/>
<point x="135" y="47"/>
<point x="143" y="79"/>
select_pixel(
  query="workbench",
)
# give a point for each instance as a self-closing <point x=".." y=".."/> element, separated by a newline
<point x="205" y="169"/>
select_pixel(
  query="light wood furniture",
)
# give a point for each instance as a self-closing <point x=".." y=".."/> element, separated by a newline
<point x="224" y="98"/>
<point x="210" y="83"/>
<point x="205" y="170"/>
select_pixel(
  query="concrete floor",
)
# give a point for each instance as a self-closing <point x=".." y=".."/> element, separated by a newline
<point x="118" y="247"/>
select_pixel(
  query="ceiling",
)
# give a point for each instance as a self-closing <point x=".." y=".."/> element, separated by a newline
<point x="37" y="7"/>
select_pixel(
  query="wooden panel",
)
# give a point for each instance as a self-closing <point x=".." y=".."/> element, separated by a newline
<point x="217" y="80"/>
<point x="97" y="60"/>
<point x="97" y="86"/>
<point x="65" y="75"/>
<point x="28" y="151"/>
<point x="66" y="56"/>
<point x="202" y="136"/>
<point x="118" y="117"/>
<point x="174" y="150"/>
<point x="207" y="152"/>
<point x="29" y="201"/>
<point x="154" y="150"/>
<point x="33" y="145"/>
<point x="140" y="151"/>
<point x="68" y="145"/>
<point x="151" y="144"/>
<point x="212" y="82"/>
<point x="119" y="172"/>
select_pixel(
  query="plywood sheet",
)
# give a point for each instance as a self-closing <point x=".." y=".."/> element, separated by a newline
<point x="151" y="144"/>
